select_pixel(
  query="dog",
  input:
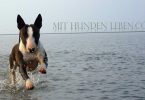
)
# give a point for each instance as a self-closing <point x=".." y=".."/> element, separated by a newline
<point x="28" y="52"/>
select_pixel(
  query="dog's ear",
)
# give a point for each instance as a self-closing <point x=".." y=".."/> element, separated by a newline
<point x="38" y="21"/>
<point x="20" y="22"/>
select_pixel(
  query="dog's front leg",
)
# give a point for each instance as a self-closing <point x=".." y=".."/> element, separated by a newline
<point x="23" y="72"/>
<point x="43" y="60"/>
<point x="43" y="64"/>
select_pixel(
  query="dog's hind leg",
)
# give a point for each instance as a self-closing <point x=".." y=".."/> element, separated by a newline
<point x="12" y="69"/>
<point x="13" y="76"/>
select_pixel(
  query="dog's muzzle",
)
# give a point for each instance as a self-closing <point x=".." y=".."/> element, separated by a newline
<point x="32" y="50"/>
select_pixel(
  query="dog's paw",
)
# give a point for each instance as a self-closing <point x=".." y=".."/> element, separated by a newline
<point x="29" y="84"/>
<point x="42" y="70"/>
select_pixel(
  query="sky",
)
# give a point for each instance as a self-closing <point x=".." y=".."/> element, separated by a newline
<point x="68" y="11"/>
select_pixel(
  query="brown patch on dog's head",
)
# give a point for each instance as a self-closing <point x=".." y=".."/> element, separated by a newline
<point x="29" y="34"/>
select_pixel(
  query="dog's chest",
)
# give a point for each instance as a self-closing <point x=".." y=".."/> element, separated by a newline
<point x="29" y="56"/>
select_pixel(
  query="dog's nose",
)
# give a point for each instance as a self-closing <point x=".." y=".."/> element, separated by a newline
<point x="32" y="50"/>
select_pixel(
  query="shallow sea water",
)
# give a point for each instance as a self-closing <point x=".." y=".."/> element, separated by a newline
<point x="102" y="66"/>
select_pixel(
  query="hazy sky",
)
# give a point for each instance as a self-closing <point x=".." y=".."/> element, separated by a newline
<point x="68" y="10"/>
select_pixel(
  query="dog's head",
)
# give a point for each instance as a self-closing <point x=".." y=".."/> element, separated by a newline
<point x="29" y="34"/>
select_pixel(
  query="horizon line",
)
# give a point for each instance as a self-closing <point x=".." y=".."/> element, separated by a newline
<point x="83" y="32"/>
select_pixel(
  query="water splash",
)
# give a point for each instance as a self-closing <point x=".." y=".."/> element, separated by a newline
<point x="6" y="85"/>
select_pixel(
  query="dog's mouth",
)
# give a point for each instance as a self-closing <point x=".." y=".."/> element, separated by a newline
<point x="31" y="47"/>
<point x="32" y="50"/>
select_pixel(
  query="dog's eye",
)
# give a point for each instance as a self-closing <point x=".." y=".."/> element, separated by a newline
<point x="24" y="35"/>
<point x="36" y="35"/>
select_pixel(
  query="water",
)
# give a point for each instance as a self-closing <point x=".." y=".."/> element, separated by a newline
<point x="84" y="67"/>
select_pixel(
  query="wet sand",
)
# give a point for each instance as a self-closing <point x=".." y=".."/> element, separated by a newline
<point x="84" y="67"/>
